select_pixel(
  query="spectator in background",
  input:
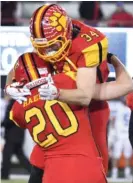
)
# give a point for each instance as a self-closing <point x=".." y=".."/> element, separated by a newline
<point x="121" y="143"/>
<point x="14" y="138"/>
<point x="90" y="12"/>
<point x="11" y="12"/>
<point x="121" y="18"/>
<point x="8" y="9"/>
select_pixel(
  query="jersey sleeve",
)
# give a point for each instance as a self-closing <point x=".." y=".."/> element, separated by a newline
<point x="16" y="116"/>
<point x="94" y="54"/>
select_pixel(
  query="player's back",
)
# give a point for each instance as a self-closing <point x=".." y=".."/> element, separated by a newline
<point x="56" y="126"/>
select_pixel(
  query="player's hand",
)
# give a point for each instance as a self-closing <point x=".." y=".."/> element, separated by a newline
<point x="17" y="92"/>
<point x="48" y="91"/>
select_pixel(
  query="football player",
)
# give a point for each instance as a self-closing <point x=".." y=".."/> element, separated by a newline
<point x="82" y="49"/>
<point x="36" y="160"/>
<point x="62" y="131"/>
<point x="57" y="127"/>
<point x="70" y="46"/>
<point x="52" y="31"/>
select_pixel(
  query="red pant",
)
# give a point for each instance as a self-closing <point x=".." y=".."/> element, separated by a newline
<point x="73" y="169"/>
<point x="99" y="115"/>
<point x="68" y="169"/>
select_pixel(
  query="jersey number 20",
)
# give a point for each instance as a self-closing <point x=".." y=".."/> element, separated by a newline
<point x="50" y="139"/>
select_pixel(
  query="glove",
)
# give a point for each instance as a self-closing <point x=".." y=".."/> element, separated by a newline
<point x="16" y="92"/>
<point x="49" y="91"/>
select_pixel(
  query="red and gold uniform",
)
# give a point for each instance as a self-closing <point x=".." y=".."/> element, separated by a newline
<point x="129" y="100"/>
<point x="89" y="48"/>
<point x="64" y="134"/>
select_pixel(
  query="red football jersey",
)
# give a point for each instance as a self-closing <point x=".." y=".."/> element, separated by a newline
<point x="129" y="100"/>
<point x="88" y="49"/>
<point x="57" y="127"/>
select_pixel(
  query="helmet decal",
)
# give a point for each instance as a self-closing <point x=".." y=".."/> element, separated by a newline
<point x="58" y="21"/>
<point x="47" y="21"/>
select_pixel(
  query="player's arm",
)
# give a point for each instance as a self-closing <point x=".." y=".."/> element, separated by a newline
<point x="87" y="63"/>
<point x="14" y="90"/>
<point x="82" y="95"/>
<point x="121" y="86"/>
<point x="86" y="81"/>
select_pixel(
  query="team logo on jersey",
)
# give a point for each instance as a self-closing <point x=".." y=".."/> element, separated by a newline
<point x="58" y="21"/>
